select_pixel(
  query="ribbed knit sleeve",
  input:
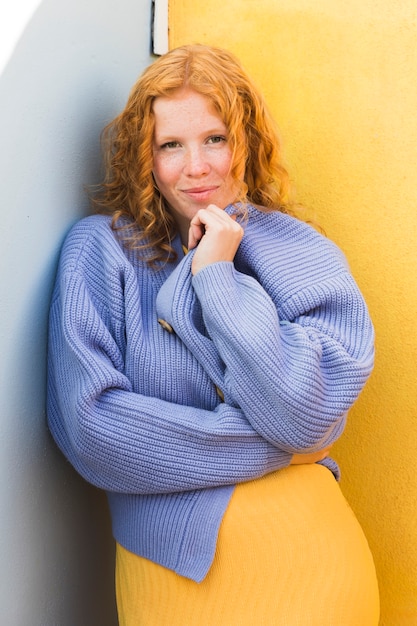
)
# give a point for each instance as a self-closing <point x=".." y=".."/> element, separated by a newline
<point x="116" y="438"/>
<point x="298" y="348"/>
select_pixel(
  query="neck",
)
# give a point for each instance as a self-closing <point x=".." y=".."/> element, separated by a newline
<point x="183" y="226"/>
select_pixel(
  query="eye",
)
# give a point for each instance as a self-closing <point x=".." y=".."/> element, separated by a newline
<point x="169" y="145"/>
<point x="216" y="139"/>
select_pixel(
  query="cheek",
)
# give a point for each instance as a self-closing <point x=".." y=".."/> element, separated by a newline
<point x="224" y="163"/>
<point x="166" y="170"/>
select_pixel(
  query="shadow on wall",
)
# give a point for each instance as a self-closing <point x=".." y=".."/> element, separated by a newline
<point x="69" y="75"/>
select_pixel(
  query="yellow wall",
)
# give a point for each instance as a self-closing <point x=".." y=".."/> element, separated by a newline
<point x="341" y="80"/>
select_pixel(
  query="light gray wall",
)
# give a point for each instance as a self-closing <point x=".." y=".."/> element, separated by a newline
<point x="70" y="73"/>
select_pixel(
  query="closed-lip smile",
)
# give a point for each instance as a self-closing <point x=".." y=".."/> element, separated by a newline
<point x="200" y="189"/>
<point x="200" y="192"/>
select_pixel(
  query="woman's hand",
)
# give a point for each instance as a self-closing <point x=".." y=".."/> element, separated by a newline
<point x="311" y="457"/>
<point x="217" y="234"/>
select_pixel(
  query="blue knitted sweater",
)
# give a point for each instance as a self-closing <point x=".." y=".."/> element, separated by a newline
<point x="283" y="332"/>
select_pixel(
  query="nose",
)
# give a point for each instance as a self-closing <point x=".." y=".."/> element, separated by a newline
<point x="196" y="164"/>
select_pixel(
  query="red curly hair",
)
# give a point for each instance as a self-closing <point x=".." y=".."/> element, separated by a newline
<point x="129" y="189"/>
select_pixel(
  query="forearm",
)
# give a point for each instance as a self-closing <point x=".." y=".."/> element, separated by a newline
<point x="130" y="443"/>
<point x="294" y="379"/>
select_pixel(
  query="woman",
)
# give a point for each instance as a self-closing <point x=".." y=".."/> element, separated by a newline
<point x="205" y="347"/>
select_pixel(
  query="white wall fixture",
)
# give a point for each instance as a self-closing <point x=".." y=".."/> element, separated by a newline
<point x="160" y="27"/>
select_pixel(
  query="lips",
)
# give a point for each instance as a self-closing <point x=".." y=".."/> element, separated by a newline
<point x="200" y="193"/>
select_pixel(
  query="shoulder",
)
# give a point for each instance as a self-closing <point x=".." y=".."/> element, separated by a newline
<point x="288" y="256"/>
<point x="88" y="231"/>
<point x="283" y="227"/>
<point x="289" y="237"/>
<point x="93" y="262"/>
<point x="91" y="240"/>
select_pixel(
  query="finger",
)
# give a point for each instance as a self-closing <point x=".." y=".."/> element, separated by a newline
<point x="210" y="221"/>
<point x="221" y="213"/>
<point x="214" y="216"/>
<point x="195" y="233"/>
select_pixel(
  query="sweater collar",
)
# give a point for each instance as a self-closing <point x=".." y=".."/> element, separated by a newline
<point x="178" y="305"/>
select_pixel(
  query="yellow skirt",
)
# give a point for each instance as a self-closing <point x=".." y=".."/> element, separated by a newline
<point x="290" y="552"/>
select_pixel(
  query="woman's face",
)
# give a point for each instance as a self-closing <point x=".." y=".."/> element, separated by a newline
<point x="191" y="155"/>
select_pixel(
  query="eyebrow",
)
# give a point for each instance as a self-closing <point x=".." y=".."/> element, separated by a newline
<point x="207" y="133"/>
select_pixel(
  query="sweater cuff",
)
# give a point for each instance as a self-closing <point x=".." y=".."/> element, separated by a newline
<point x="209" y="278"/>
<point x="332" y="466"/>
<point x="277" y="459"/>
